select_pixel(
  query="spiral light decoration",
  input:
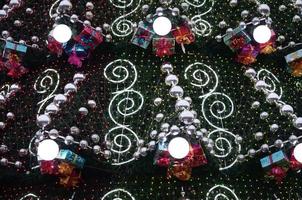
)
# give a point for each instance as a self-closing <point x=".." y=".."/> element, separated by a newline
<point x="47" y="84"/>
<point x="203" y="77"/>
<point x="216" y="107"/>
<point x="221" y="192"/>
<point x="273" y="83"/>
<point x="126" y="102"/>
<point x="119" y="71"/>
<point x="29" y="196"/>
<point x="118" y="194"/>
<point x="123" y="140"/>
<point x="202" y="27"/>
<point x="121" y="26"/>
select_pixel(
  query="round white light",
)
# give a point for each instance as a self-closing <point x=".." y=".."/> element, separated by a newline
<point x="298" y="153"/>
<point x="179" y="147"/>
<point x="162" y="26"/>
<point x="262" y="34"/>
<point x="48" y="150"/>
<point x="62" y="33"/>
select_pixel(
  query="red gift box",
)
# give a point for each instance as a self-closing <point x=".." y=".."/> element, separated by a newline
<point x="183" y="35"/>
<point x="49" y="167"/>
<point x="89" y="38"/>
<point x="164" y="46"/>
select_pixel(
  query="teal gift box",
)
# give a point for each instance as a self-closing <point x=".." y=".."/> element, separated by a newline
<point x="237" y="39"/>
<point x="277" y="158"/>
<point x="71" y="157"/>
<point x="19" y="49"/>
<point x="162" y="146"/>
<point x="143" y="35"/>
<point x="294" y="56"/>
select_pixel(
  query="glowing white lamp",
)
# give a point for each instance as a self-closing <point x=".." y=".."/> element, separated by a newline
<point x="48" y="150"/>
<point x="298" y="153"/>
<point x="62" y="33"/>
<point x="262" y="34"/>
<point x="162" y="26"/>
<point x="179" y="147"/>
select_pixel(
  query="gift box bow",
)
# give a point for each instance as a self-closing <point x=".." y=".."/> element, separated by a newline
<point x="183" y="35"/>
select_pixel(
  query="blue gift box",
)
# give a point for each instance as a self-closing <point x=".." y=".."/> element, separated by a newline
<point x="237" y="32"/>
<point x="294" y="56"/>
<point x="10" y="47"/>
<point x="275" y="158"/>
<point x="71" y="157"/>
<point x="143" y="36"/>
<point x="162" y="146"/>
<point x="79" y="49"/>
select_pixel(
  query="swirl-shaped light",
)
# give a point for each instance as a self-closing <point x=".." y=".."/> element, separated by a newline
<point x="122" y="27"/>
<point x="118" y="194"/>
<point x="121" y="3"/>
<point x="224" y="142"/>
<point x="217" y="108"/>
<point x="202" y="76"/>
<point x="271" y="80"/>
<point x="202" y="27"/>
<point x="125" y="104"/>
<point x="119" y="71"/>
<point x="221" y="192"/>
<point x="196" y="3"/>
<point x="124" y="143"/>
<point x="47" y="83"/>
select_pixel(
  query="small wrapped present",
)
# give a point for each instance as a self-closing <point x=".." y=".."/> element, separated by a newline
<point x="65" y="169"/>
<point x="162" y="157"/>
<point x="69" y="176"/>
<point x="143" y="36"/>
<point x="181" y="170"/>
<point x="268" y="47"/>
<point x="89" y="38"/>
<point x="294" y="164"/>
<point x="72" y="180"/>
<point x="183" y="35"/>
<point x="71" y="157"/>
<point x="276" y="165"/>
<point x="14" y="67"/>
<point x="164" y="46"/>
<point x="237" y="39"/>
<point x="14" y="48"/>
<point x="77" y="53"/>
<point x="247" y="55"/>
<point x="198" y="158"/>
<point x="294" y="61"/>
<point x="277" y="173"/>
<point x="49" y="167"/>
<point x="54" y="46"/>
<point x="277" y="158"/>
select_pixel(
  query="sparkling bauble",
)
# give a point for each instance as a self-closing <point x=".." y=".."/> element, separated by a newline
<point x="298" y="123"/>
<point x="176" y="91"/>
<point x="187" y="117"/>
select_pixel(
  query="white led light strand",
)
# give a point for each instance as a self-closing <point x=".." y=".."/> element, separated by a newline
<point x="205" y="78"/>
<point x="221" y="192"/>
<point x="122" y="27"/>
<point x="202" y="27"/>
<point x="47" y="83"/>
<point x="125" y="102"/>
<point x="118" y="194"/>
